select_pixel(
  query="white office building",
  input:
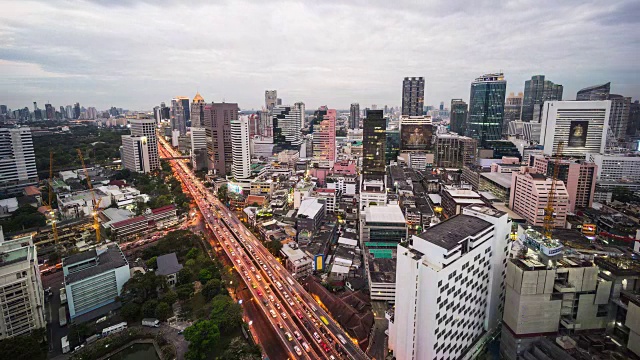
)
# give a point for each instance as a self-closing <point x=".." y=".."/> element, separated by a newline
<point x="199" y="148"/>
<point x="21" y="295"/>
<point x="286" y="123"/>
<point x="241" y="168"/>
<point x="450" y="286"/>
<point x="581" y="125"/>
<point x="616" y="168"/>
<point x="135" y="153"/>
<point x="17" y="160"/>
<point x="147" y="128"/>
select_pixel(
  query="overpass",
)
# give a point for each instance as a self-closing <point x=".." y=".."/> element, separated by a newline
<point x="186" y="157"/>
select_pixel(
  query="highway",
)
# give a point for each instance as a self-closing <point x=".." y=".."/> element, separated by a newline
<point x="303" y="327"/>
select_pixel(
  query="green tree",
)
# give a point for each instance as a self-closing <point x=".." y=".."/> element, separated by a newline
<point x="170" y="298"/>
<point x="225" y="313"/>
<point x="222" y="193"/>
<point x="184" y="276"/>
<point x="193" y="253"/>
<point x="149" y="308"/>
<point x="130" y="311"/>
<point x="203" y="337"/>
<point x="274" y="247"/>
<point x="24" y="347"/>
<point x="152" y="263"/>
<point x="211" y="289"/>
<point x="621" y="193"/>
<point x="238" y="349"/>
<point x="204" y="275"/>
<point x="185" y="291"/>
<point x="163" y="311"/>
<point x="78" y="332"/>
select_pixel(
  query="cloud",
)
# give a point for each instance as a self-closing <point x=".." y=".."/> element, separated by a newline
<point x="135" y="54"/>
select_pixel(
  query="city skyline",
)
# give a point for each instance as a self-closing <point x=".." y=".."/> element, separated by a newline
<point x="79" y="70"/>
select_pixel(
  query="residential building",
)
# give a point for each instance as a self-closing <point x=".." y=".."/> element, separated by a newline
<point x="536" y="92"/>
<point x="310" y="214"/>
<point x="17" y="161"/>
<point x="324" y="138"/>
<point x="199" y="158"/>
<point x="512" y="108"/>
<point x="416" y="133"/>
<point x="300" y="108"/>
<point x="633" y="125"/>
<point x="286" y="126"/>
<point x="217" y="122"/>
<point x="168" y="266"/>
<point x="594" y="93"/>
<point x="486" y="108"/>
<point x="197" y="111"/>
<point x="135" y="154"/>
<point x="372" y="192"/>
<point x="580" y="125"/>
<point x="328" y="196"/>
<point x="241" y="168"/>
<point x="354" y="116"/>
<point x="382" y="224"/>
<point x="270" y="99"/>
<point x="579" y="178"/>
<point x="412" y="96"/>
<point x="298" y="263"/>
<point x="21" y="294"/>
<point x="454" y="199"/>
<point x="147" y="128"/>
<point x="449" y="287"/>
<point x="374" y="147"/>
<point x="458" y="116"/>
<point x="454" y="151"/>
<point x="530" y="193"/>
<point x="180" y="114"/>
<point x="94" y="278"/>
<point x="618" y="121"/>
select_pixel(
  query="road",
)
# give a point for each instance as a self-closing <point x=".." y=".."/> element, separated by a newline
<point x="301" y="324"/>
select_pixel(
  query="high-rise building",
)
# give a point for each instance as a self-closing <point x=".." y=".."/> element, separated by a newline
<point x="392" y="145"/>
<point x="529" y="195"/>
<point x="76" y="111"/>
<point x="581" y="125"/>
<point x="50" y="113"/>
<point x="458" y="116"/>
<point x="454" y="151"/>
<point x="241" y="168"/>
<point x="17" y="160"/>
<point x="197" y="111"/>
<point x="324" y="138"/>
<point x="92" y="113"/>
<point x="441" y="105"/>
<point x="633" y="125"/>
<point x="579" y="178"/>
<point x="536" y="92"/>
<point x="199" y="148"/>
<point x="594" y="93"/>
<point x="68" y="110"/>
<point x="416" y="133"/>
<point x="374" y="145"/>
<point x="299" y="107"/>
<point x="354" y="116"/>
<point x="63" y="113"/>
<point x="412" y="96"/>
<point x="286" y="126"/>
<point x="147" y="128"/>
<point x="217" y="122"/>
<point x="486" y="108"/>
<point x="270" y="99"/>
<point x="135" y="153"/>
<point x="619" y="118"/>
<point x="180" y="114"/>
<point x="449" y="287"/>
<point x="21" y="294"/>
<point x="512" y="109"/>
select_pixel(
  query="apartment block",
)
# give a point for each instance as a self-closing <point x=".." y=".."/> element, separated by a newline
<point x="579" y="178"/>
<point x="530" y="193"/>
<point x="17" y="160"/>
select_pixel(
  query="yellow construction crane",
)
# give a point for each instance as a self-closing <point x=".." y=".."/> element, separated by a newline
<point x="96" y="205"/>
<point x="52" y="213"/>
<point x="549" y="219"/>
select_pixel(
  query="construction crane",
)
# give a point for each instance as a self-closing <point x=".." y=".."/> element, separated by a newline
<point x="52" y="213"/>
<point x="95" y="205"/>
<point x="549" y="219"/>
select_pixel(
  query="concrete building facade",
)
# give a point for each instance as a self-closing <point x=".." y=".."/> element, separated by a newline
<point x="529" y="195"/>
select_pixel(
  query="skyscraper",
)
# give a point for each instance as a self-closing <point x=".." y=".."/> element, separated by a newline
<point x="17" y="160"/>
<point x="593" y="93"/>
<point x="270" y="99"/>
<point x="197" y="111"/>
<point x="299" y="107"/>
<point x="241" y="168"/>
<point x="412" y="96"/>
<point x="458" y="116"/>
<point x="324" y="138"/>
<point x="354" y="116"/>
<point x="199" y="158"/>
<point x="217" y="121"/>
<point x="374" y="145"/>
<point x="486" y="108"/>
<point x="147" y="128"/>
<point x="63" y="113"/>
<point x="135" y="153"/>
<point x="633" y="125"/>
<point x="50" y="113"/>
<point x="180" y="113"/>
<point x="286" y="127"/>
<point x="512" y="110"/>
<point x="76" y="111"/>
<point x="619" y="118"/>
<point x="536" y="92"/>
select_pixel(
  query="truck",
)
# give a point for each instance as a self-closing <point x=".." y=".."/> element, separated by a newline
<point x="63" y="296"/>
<point x="62" y="316"/>
<point x="65" y="345"/>
<point x="150" y="322"/>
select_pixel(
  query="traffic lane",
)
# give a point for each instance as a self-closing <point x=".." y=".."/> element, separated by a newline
<point x="55" y="333"/>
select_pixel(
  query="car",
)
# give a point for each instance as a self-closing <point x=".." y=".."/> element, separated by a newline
<point x="291" y="302"/>
<point x="273" y="313"/>
<point x="253" y="269"/>
<point x="259" y="293"/>
<point x="299" y="314"/>
<point x="297" y="350"/>
<point x="278" y="305"/>
<point x="297" y="334"/>
<point x="288" y="335"/>
<point x="306" y="346"/>
<point x="317" y="337"/>
<point x="284" y="315"/>
<point x="238" y="261"/>
<point x="258" y="277"/>
<point x="325" y="347"/>
<point x="280" y="326"/>
<point x="253" y="285"/>
<point x="271" y="298"/>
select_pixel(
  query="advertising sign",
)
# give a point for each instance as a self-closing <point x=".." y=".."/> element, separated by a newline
<point x="578" y="133"/>
<point x="416" y="136"/>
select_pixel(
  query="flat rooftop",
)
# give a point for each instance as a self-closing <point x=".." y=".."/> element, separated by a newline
<point x="111" y="258"/>
<point x="449" y="233"/>
<point x="310" y="208"/>
<point x="501" y="179"/>
<point x="391" y="214"/>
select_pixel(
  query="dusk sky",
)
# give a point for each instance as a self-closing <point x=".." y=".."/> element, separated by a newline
<point x="136" y="54"/>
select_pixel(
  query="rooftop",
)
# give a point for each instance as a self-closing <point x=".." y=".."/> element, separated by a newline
<point x="448" y="234"/>
<point x="168" y="264"/>
<point x="384" y="214"/>
<point x="309" y="208"/>
<point x="466" y="193"/>
<point x="107" y="259"/>
<point x="501" y="179"/>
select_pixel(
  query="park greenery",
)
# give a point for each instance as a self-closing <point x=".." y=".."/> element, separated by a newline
<point x="26" y="217"/>
<point x="25" y="347"/>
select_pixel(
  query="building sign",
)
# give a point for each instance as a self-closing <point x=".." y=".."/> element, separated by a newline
<point x="319" y="262"/>
<point x="578" y="133"/>
<point x="234" y="188"/>
<point x="416" y="136"/>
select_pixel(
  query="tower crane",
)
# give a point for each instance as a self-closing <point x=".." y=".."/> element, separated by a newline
<point x="52" y="213"/>
<point x="549" y="220"/>
<point x="96" y="203"/>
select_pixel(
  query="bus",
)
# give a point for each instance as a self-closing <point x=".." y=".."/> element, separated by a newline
<point x="324" y="320"/>
<point x="114" y="329"/>
<point x="62" y="316"/>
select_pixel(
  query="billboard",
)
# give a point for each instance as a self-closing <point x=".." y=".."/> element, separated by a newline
<point x="319" y="262"/>
<point x="578" y="134"/>
<point x="416" y="136"/>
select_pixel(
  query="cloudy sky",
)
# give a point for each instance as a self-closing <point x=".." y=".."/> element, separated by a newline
<point x="135" y="54"/>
